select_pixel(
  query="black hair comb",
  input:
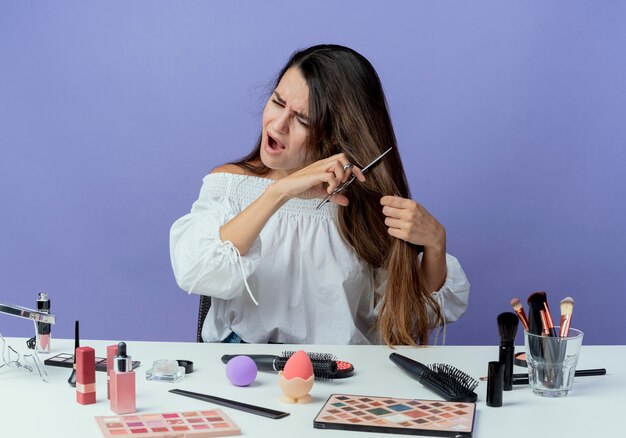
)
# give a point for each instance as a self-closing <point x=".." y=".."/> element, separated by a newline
<point x="447" y="381"/>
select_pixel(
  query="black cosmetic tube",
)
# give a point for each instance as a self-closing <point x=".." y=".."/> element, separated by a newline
<point x="495" y="376"/>
<point x="507" y="351"/>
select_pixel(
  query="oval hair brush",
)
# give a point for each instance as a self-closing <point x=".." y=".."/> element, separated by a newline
<point x="325" y="365"/>
<point x="447" y="381"/>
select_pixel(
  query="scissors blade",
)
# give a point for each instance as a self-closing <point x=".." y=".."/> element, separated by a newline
<point x="352" y="178"/>
<point x="376" y="160"/>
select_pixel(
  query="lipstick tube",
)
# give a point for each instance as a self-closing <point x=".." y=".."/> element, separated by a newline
<point x="85" y="375"/>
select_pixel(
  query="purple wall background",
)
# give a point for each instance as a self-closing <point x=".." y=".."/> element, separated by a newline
<point x="510" y="118"/>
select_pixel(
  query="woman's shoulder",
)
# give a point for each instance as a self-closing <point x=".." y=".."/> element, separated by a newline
<point x="234" y="181"/>
<point x="233" y="169"/>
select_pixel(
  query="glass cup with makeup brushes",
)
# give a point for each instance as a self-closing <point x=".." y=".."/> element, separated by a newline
<point x="552" y="362"/>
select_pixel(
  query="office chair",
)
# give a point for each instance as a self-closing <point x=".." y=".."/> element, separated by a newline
<point x="203" y="309"/>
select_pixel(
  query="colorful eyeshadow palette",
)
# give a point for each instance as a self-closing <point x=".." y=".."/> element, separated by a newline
<point x="66" y="360"/>
<point x="396" y="415"/>
<point x="171" y="424"/>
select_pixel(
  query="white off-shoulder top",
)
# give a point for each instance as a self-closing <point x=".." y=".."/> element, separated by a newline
<point x="310" y="286"/>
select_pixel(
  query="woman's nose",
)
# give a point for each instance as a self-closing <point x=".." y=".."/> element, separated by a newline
<point x="281" y="123"/>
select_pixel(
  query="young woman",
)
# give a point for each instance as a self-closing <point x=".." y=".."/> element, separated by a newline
<point x="370" y="266"/>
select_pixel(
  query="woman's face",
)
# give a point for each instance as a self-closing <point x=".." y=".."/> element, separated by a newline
<point x="285" y="125"/>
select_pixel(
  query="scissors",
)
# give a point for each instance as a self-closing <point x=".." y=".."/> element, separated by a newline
<point x="349" y="181"/>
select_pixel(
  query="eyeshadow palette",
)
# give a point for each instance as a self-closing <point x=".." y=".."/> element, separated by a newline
<point x="170" y="424"/>
<point x="396" y="415"/>
<point x="66" y="360"/>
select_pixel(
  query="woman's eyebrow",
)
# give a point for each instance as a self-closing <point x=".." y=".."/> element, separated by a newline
<point x="282" y="101"/>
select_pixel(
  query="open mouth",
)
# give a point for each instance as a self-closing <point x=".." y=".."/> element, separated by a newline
<point x="274" y="144"/>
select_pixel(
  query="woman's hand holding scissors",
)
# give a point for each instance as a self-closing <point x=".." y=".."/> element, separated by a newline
<point x="319" y="179"/>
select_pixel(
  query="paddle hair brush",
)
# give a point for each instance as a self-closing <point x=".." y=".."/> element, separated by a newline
<point x="507" y="326"/>
<point x="447" y="381"/>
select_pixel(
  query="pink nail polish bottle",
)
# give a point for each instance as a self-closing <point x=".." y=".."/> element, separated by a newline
<point x="122" y="382"/>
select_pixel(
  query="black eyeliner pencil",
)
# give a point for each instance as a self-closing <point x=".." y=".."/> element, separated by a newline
<point x="522" y="379"/>
<point x="72" y="379"/>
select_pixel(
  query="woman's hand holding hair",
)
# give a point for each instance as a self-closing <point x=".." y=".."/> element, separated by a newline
<point x="318" y="179"/>
<point x="411" y="222"/>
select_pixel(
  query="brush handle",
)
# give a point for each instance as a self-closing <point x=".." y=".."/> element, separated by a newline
<point x="507" y="351"/>
<point x="264" y="362"/>
<point x="412" y="367"/>
<point x="430" y="379"/>
<point x="565" y="323"/>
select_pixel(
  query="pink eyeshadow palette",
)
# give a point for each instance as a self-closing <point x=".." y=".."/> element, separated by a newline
<point x="397" y="415"/>
<point x="198" y="424"/>
<point x="66" y="360"/>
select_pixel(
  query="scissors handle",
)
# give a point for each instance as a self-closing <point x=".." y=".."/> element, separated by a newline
<point x="339" y="188"/>
<point x="345" y="184"/>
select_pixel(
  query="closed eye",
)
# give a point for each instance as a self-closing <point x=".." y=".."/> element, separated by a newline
<point x="280" y="104"/>
<point x="299" y="118"/>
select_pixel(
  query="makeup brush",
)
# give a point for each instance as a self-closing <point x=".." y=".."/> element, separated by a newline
<point x="545" y="326"/>
<point x="325" y="366"/>
<point x="72" y="378"/>
<point x="548" y="316"/>
<point x="535" y="307"/>
<point x="447" y="381"/>
<point x="519" y="310"/>
<point x="507" y="326"/>
<point x="567" y="307"/>
<point x="539" y="319"/>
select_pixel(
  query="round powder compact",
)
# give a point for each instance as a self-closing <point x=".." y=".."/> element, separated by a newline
<point x="241" y="370"/>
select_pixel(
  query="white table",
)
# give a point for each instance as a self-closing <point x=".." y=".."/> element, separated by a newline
<point x="29" y="407"/>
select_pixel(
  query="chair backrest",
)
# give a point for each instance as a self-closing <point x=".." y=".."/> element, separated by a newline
<point x="203" y="309"/>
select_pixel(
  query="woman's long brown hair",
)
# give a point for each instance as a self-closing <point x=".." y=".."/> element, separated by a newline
<point x="348" y="113"/>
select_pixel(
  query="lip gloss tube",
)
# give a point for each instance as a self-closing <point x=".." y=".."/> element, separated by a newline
<point x="85" y="375"/>
<point x="44" y="332"/>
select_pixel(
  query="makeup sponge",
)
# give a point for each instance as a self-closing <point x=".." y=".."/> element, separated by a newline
<point x="298" y="365"/>
<point x="241" y="370"/>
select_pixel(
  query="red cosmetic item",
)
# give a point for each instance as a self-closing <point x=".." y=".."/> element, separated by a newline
<point x="122" y="383"/>
<point x="111" y="353"/>
<point x="85" y="375"/>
